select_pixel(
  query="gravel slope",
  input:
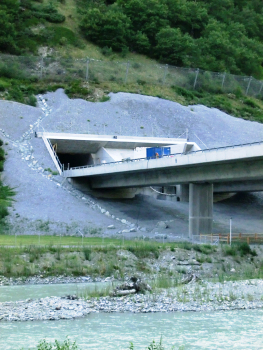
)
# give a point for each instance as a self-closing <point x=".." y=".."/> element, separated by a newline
<point x="47" y="204"/>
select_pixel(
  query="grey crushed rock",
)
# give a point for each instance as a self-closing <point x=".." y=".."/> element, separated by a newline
<point x="204" y="296"/>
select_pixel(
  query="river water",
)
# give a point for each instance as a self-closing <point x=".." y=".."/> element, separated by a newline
<point x="14" y="293"/>
<point x="240" y="329"/>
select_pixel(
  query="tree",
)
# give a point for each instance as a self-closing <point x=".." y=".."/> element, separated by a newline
<point x="173" y="46"/>
<point x="109" y="28"/>
<point x="146" y="16"/>
<point x="190" y="16"/>
<point x="7" y="33"/>
<point x="140" y="43"/>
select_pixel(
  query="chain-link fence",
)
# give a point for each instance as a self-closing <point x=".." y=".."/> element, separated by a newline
<point x="86" y="69"/>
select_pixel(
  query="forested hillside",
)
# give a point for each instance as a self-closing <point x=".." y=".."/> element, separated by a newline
<point x="216" y="35"/>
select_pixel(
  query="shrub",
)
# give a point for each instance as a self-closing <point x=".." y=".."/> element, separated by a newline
<point x="2" y="154"/>
<point x="244" y="249"/>
<point x="31" y="101"/>
<point x="66" y="345"/>
<point x="184" y="92"/>
<point x="105" y="98"/>
<point x="136" y="65"/>
<point x="106" y="51"/>
<point x="249" y="102"/>
<point x="87" y="253"/>
<point x="144" y="250"/>
<point x="141" y="82"/>
<point x="238" y="249"/>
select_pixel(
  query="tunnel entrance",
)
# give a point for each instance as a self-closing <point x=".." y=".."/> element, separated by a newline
<point x="75" y="160"/>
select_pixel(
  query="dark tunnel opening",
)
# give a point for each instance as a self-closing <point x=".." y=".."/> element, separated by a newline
<point x="75" y="160"/>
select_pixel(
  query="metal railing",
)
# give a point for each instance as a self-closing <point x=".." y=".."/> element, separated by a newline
<point x="206" y="239"/>
<point x="55" y="155"/>
<point x="165" y="156"/>
<point x="249" y="238"/>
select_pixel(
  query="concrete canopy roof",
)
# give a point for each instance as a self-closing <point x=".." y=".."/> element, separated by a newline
<point x="86" y="143"/>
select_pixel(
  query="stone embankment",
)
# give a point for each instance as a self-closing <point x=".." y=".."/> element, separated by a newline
<point x="201" y="296"/>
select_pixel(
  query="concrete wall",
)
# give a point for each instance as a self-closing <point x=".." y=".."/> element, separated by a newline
<point x="102" y="156"/>
<point x="200" y="209"/>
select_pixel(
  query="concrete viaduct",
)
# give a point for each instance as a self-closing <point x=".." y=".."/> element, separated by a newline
<point x="203" y="172"/>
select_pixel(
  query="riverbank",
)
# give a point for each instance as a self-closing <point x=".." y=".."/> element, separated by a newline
<point x="196" y="296"/>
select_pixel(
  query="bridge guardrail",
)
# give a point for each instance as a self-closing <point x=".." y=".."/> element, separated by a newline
<point x="165" y="156"/>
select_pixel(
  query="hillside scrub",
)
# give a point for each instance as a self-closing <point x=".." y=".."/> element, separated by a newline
<point x="167" y="263"/>
<point x="6" y="192"/>
<point x="212" y="35"/>
<point x="24" y="91"/>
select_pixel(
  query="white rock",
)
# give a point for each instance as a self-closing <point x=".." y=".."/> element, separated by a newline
<point x="111" y="226"/>
<point x="162" y="224"/>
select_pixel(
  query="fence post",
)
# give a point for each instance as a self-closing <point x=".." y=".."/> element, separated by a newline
<point x="196" y="76"/>
<point x="87" y="69"/>
<point x="230" y="231"/>
<point x="248" y="85"/>
<point x="41" y="67"/>
<point x="261" y="86"/>
<point x="165" y="73"/>
<point x="127" y="71"/>
<point x="223" y="81"/>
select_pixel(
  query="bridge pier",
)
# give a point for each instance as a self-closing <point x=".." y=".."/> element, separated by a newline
<point x="200" y="209"/>
<point x="183" y="192"/>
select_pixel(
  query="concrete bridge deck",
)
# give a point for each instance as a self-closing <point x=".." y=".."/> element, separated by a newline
<point x="221" y="165"/>
<point x="232" y="167"/>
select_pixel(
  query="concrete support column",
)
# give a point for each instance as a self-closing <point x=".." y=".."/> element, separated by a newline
<point x="200" y="209"/>
<point x="183" y="192"/>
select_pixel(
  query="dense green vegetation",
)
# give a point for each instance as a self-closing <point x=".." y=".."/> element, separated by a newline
<point x="23" y="27"/>
<point x="5" y="192"/>
<point x="215" y="35"/>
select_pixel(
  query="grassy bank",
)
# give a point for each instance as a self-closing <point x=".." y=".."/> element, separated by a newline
<point x="168" y="263"/>
<point x="6" y="192"/>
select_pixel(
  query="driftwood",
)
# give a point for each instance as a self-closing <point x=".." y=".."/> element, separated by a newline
<point x="135" y="285"/>
<point x="125" y="292"/>
<point x="190" y="278"/>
